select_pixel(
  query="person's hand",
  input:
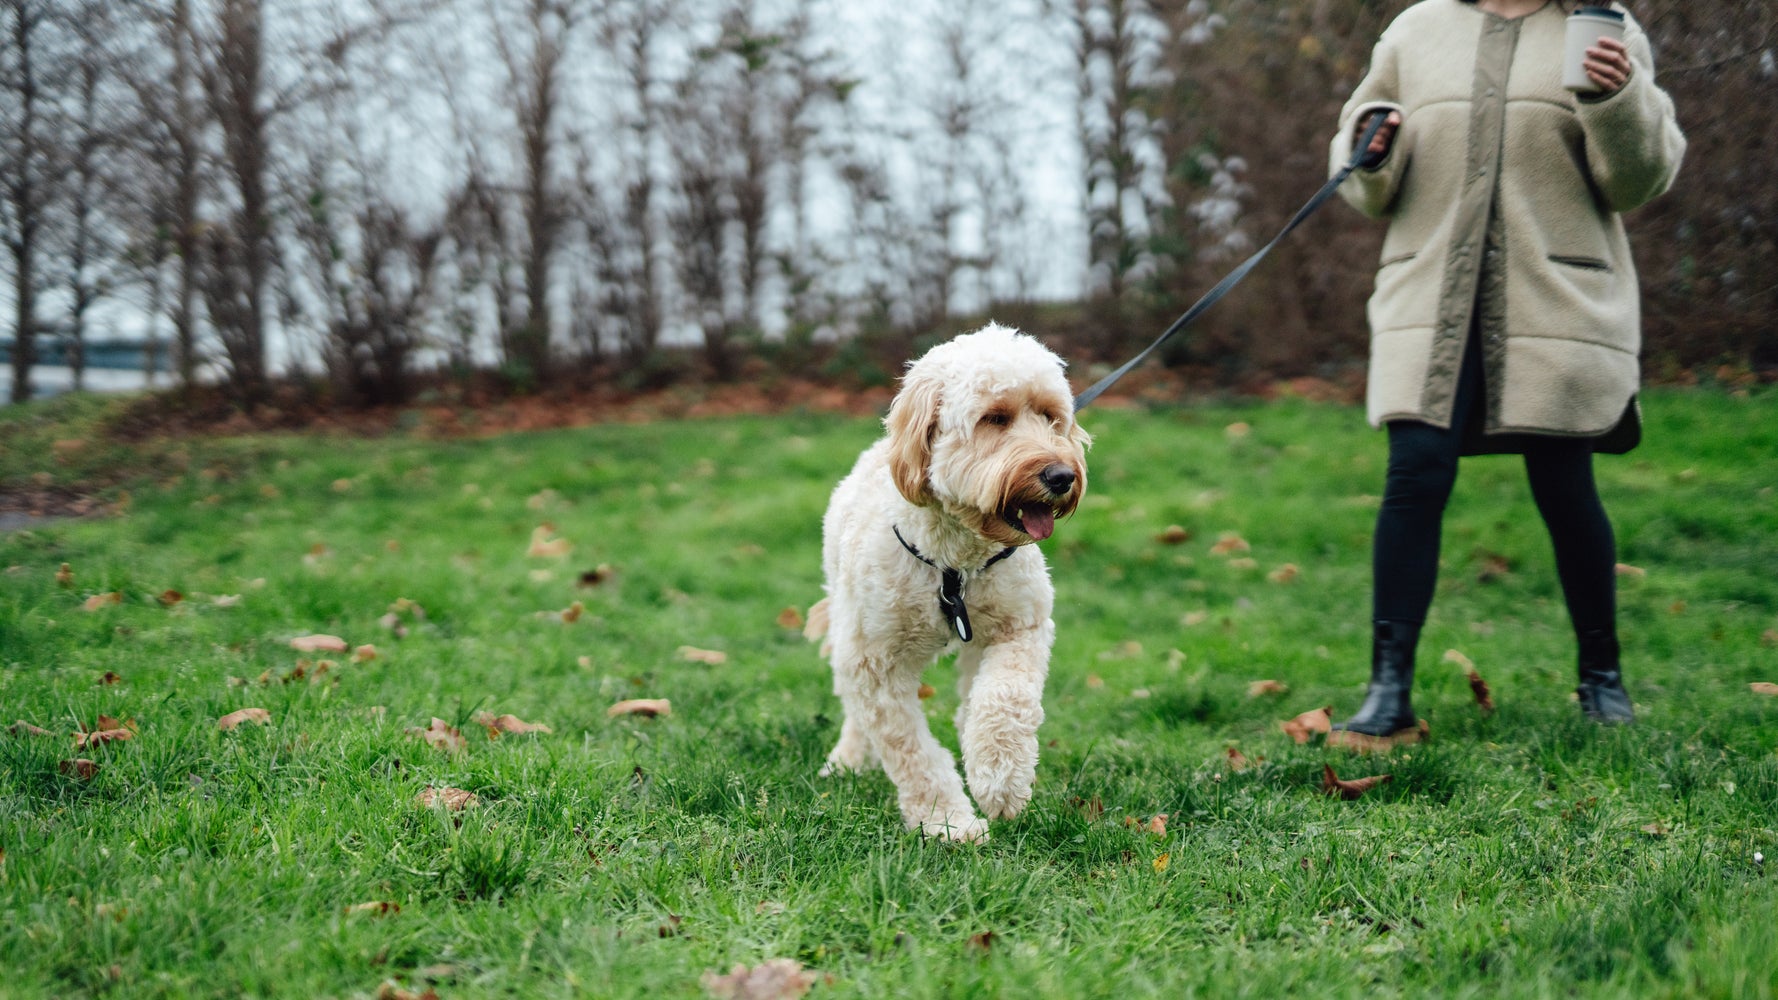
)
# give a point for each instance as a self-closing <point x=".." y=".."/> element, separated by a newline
<point x="1378" y="150"/>
<point x="1608" y="65"/>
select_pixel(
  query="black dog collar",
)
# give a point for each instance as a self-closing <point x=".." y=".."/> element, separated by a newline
<point x="950" y="588"/>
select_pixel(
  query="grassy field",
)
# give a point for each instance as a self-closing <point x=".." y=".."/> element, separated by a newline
<point x="1520" y="853"/>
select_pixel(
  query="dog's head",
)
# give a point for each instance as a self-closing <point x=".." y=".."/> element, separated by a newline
<point x="984" y="426"/>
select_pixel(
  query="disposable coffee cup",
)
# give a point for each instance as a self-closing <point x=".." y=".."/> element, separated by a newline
<point x="1585" y="27"/>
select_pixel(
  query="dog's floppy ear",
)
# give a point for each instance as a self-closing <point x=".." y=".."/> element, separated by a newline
<point x="912" y="422"/>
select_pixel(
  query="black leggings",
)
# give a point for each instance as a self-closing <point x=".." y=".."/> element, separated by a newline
<point x="1422" y="469"/>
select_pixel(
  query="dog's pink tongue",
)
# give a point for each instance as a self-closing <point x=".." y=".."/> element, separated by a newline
<point x="1039" y="521"/>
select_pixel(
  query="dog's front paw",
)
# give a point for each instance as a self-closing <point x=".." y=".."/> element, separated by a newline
<point x="1002" y="775"/>
<point x="973" y="830"/>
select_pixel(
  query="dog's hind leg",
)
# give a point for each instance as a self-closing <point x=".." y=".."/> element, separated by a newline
<point x="886" y="702"/>
<point x="1005" y="709"/>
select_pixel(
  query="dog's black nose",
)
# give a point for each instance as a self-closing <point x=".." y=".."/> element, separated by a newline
<point x="1058" y="479"/>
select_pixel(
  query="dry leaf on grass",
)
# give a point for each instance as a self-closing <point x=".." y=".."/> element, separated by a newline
<point x="692" y="654"/>
<point x="1764" y="687"/>
<point x="1478" y="687"/>
<point x="453" y="799"/>
<point x="790" y="618"/>
<point x="1173" y="534"/>
<point x="1160" y="862"/>
<point x="364" y="653"/>
<point x="240" y="715"/>
<point x="1230" y="543"/>
<point x="926" y="691"/>
<point x="65" y="576"/>
<point x="1625" y="569"/>
<point x="545" y="547"/>
<point x="1655" y="829"/>
<point x="1494" y="566"/>
<point x="100" y="737"/>
<point x="1259" y="689"/>
<point x="1157" y="824"/>
<point x="597" y="575"/>
<point x="983" y="942"/>
<point x="1239" y="761"/>
<point x="567" y="616"/>
<point x="1091" y="809"/>
<point x="1349" y="790"/>
<point x="110" y="677"/>
<point x="1238" y="429"/>
<point x="79" y="767"/>
<point x="1304" y="726"/>
<point x="646" y="707"/>
<point x="441" y="734"/>
<point x="508" y="724"/>
<point x="23" y="728"/>
<point x="319" y="644"/>
<point x="98" y="601"/>
<point x="377" y="908"/>
<point x="1284" y="573"/>
<point x="169" y="597"/>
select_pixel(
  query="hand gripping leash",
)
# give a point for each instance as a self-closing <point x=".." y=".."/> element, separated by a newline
<point x="1359" y="153"/>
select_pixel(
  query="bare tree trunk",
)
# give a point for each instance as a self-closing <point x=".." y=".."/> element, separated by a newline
<point x="237" y="88"/>
<point x="185" y="126"/>
<point x="24" y="194"/>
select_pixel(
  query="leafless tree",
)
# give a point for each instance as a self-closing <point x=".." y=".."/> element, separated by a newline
<point x="26" y="170"/>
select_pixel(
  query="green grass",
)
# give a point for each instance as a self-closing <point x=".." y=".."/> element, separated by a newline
<point x="627" y="857"/>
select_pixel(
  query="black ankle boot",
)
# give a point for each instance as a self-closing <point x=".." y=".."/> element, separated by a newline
<point x="1601" y="690"/>
<point x="1387" y="710"/>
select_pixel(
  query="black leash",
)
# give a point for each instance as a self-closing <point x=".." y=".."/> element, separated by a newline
<point x="950" y="588"/>
<point x="1360" y="153"/>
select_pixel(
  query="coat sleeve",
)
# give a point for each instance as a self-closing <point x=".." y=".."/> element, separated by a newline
<point x="1633" y="140"/>
<point x="1371" y="190"/>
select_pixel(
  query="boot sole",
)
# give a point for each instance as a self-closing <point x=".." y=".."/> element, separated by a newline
<point x="1347" y="739"/>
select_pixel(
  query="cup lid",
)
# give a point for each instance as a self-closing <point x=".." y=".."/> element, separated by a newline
<point x="1605" y="12"/>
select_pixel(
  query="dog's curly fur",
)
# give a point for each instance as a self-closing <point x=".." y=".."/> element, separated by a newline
<point x="982" y="453"/>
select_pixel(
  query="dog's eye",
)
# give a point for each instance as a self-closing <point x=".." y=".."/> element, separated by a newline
<point x="996" y="419"/>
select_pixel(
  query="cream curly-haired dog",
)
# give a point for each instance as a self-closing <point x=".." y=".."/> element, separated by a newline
<point x="926" y="548"/>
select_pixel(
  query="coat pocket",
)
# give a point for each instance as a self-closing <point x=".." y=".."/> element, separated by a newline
<point x="1580" y="263"/>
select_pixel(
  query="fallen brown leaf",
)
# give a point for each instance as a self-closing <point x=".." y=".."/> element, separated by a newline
<point x="1655" y="829"/>
<point x="1239" y="761"/>
<point x="545" y="547"/>
<point x="926" y="691"/>
<point x="597" y="575"/>
<point x="453" y="799"/>
<point x="1095" y="682"/>
<point x="1157" y="823"/>
<point x="1173" y="534"/>
<point x="646" y="707"/>
<point x="65" y="576"/>
<point x="110" y="677"/>
<point x="79" y="767"/>
<point x="100" y="737"/>
<point x="1238" y="429"/>
<point x="1303" y="727"/>
<point x="107" y="722"/>
<point x="377" y="908"/>
<point x="692" y="654"/>
<point x="98" y="601"/>
<point x="773" y="979"/>
<point x="1091" y="809"/>
<point x="1769" y="637"/>
<point x="1259" y="689"/>
<point x="23" y="728"/>
<point x="364" y="653"/>
<point x="1479" y="688"/>
<point x="240" y="715"/>
<point x="1230" y="543"/>
<point x="319" y="644"/>
<point x="1494" y="566"/>
<point x="508" y="724"/>
<point x="442" y="735"/>
<point x="982" y="942"/>
<point x="1349" y="790"/>
<point x="1764" y="687"/>
<point x="1284" y="573"/>
<point x="1625" y="569"/>
<point x="170" y="597"/>
<point x="790" y="618"/>
<point x="1160" y="862"/>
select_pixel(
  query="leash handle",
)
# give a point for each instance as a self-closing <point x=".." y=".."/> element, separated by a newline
<point x="1360" y="153"/>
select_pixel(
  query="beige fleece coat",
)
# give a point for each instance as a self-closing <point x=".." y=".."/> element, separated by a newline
<point x="1503" y="193"/>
